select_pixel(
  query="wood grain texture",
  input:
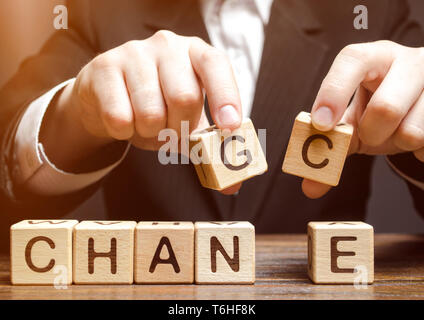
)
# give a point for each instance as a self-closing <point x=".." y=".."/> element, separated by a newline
<point x="222" y="159"/>
<point x="164" y="252"/>
<point x="225" y="252"/>
<point x="40" y="250"/>
<point x="316" y="155"/>
<point x="104" y="252"/>
<point x="341" y="252"/>
<point x="281" y="273"/>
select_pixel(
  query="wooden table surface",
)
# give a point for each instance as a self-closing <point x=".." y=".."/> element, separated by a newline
<point x="281" y="264"/>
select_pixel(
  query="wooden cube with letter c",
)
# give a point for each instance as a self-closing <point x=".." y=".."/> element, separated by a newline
<point x="222" y="159"/>
<point x="104" y="252"/>
<point x="224" y="252"/>
<point x="316" y="155"/>
<point x="341" y="252"/>
<point x="164" y="252"/>
<point x="41" y="252"/>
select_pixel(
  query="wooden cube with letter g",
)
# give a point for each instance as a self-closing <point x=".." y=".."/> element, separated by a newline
<point x="341" y="252"/>
<point x="316" y="155"/>
<point x="222" y="159"/>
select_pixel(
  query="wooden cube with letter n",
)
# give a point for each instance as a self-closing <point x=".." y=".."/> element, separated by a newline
<point x="222" y="159"/>
<point x="164" y="252"/>
<point x="104" y="252"/>
<point x="316" y="155"/>
<point x="41" y="252"/>
<point x="341" y="252"/>
<point x="224" y="252"/>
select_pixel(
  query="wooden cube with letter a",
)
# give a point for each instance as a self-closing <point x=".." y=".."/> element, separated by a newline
<point x="316" y="155"/>
<point x="222" y="159"/>
<point x="224" y="252"/>
<point x="104" y="252"/>
<point x="41" y="252"/>
<point x="164" y="252"/>
<point x="341" y="252"/>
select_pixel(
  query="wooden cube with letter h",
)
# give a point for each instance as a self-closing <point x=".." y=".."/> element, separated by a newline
<point x="104" y="252"/>
<point x="341" y="252"/>
<point x="164" y="252"/>
<point x="222" y="159"/>
<point x="41" y="252"/>
<point x="316" y="155"/>
<point x="224" y="252"/>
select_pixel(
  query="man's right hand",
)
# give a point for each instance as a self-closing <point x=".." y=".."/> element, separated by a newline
<point x="135" y="90"/>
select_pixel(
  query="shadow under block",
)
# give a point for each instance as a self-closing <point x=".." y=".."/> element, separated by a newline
<point x="41" y="252"/>
<point x="224" y="252"/>
<point x="222" y="159"/>
<point x="164" y="252"/>
<point x="316" y="155"/>
<point x="104" y="252"/>
<point x="341" y="252"/>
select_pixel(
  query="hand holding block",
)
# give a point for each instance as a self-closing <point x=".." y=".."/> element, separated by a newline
<point x="104" y="252"/>
<point x="225" y="252"/>
<point x="41" y="252"/>
<point x="222" y="159"/>
<point x="341" y="252"/>
<point x="164" y="252"/>
<point x="316" y="155"/>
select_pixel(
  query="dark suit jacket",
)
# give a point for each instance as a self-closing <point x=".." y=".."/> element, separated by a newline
<point x="302" y="39"/>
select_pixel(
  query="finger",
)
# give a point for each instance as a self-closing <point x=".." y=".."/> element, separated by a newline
<point x="181" y="89"/>
<point x="419" y="154"/>
<point x="410" y="134"/>
<point x="232" y="190"/>
<point x="145" y="93"/>
<point x="353" y="65"/>
<point x="353" y="115"/>
<point x="313" y="189"/>
<point x="113" y="104"/>
<point x="215" y="72"/>
<point x="399" y="90"/>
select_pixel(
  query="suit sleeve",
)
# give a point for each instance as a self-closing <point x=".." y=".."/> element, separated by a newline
<point x="60" y="59"/>
<point x="407" y="27"/>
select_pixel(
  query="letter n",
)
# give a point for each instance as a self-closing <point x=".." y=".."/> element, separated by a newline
<point x="234" y="262"/>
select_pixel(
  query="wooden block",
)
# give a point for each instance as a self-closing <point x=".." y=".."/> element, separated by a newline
<point x="223" y="158"/>
<point x="104" y="252"/>
<point x="225" y="252"/>
<point x="336" y="249"/>
<point x="41" y="252"/>
<point x="164" y="252"/>
<point x="317" y="155"/>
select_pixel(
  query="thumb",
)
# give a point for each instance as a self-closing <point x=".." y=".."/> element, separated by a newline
<point x="313" y="189"/>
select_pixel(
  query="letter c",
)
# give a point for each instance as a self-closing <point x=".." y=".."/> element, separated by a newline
<point x="306" y="148"/>
<point x="28" y="250"/>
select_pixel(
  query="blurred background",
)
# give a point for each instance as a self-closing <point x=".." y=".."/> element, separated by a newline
<point x="26" y="24"/>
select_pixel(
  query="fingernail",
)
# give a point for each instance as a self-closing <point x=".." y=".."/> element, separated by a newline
<point x="228" y="117"/>
<point x="323" y="118"/>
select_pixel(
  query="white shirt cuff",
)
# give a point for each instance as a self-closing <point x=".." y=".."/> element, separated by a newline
<point x="34" y="170"/>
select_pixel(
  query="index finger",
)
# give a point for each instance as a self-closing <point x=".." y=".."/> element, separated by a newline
<point x="353" y="65"/>
<point x="215" y="72"/>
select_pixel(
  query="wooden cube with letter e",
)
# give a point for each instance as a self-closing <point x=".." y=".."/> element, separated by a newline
<point x="164" y="252"/>
<point x="222" y="159"/>
<point x="341" y="252"/>
<point x="316" y="155"/>
<point x="224" y="252"/>
<point x="41" y="252"/>
<point x="104" y="252"/>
